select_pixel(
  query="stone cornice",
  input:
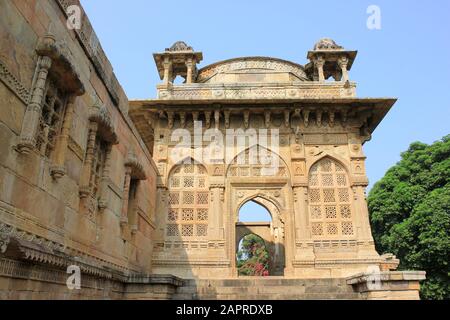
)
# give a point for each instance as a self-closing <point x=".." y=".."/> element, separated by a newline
<point x="34" y="247"/>
<point x="368" y="111"/>
<point x="265" y="91"/>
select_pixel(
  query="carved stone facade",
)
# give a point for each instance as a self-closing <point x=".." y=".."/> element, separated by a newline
<point x="316" y="192"/>
<point x="91" y="179"/>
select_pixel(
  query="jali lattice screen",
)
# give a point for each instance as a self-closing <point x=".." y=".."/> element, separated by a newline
<point x="330" y="201"/>
<point x="188" y="202"/>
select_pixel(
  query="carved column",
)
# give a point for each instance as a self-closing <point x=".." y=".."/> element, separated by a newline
<point x="217" y="119"/>
<point x="216" y="213"/>
<point x="126" y="193"/>
<point x="58" y="169"/>
<point x="167" y="71"/>
<point x="319" y="62"/>
<point x="190" y="71"/>
<point x="343" y="63"/>
<point x="303" y="233"/>
<point x="161" y="212"/>
<point x="105" y="178"/>
<point x="362" y="213"/>
<point x="87" y="167"/>
<point x="300" y="208"/>
<point x="208" y="119"/>
<point x="33" y="111"/>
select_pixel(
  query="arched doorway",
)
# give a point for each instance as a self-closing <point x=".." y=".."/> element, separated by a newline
<point x="258" y="253"/>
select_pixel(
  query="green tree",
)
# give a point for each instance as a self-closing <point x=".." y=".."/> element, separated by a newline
<point x="410" y="214"/>
<point x="252" y="257"/>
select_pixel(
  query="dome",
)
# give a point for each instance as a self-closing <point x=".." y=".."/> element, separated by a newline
<point x="327" y="44"/>
<point x="252" y="70"/>
<point x="180" y="46"/>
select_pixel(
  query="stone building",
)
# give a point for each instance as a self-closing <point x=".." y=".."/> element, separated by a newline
<point x="92" y="180"/>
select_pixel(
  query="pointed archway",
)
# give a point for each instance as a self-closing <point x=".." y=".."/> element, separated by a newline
<point x="255" y="221"/>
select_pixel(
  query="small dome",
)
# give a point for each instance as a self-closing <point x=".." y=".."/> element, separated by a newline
<point x="327" y="44"/>
<point x="180" y="46"/>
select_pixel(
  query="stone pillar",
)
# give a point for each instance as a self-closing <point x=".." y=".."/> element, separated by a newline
<point x="216" y="212"/>
<point x="161" y="211"/>
<point x="300" y="209"/>
<point x="319" y="63"/>
<point x="87" y="167"/>
<point x="343" y="63"/>
<point x="217" y="119"/>
<point x="190" y="71"/>
<point x="167" y="71"/>
<point x="125" y="199"/>
<point x="362" y="213"/>
<point x="303" y="232"/>
<point x="58" y="169"/>
<point x="105" y="179"/>
<point x="33" y="112"/>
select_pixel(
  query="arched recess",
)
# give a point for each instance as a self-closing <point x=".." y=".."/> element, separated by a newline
<point x="188" y="202"/>
<point x="257" y="161"/>
<point x="331" y="211"/>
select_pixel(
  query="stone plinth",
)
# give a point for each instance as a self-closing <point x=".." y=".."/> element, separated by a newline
<point x="390" y="285"/>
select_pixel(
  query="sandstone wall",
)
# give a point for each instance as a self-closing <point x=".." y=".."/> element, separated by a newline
<point x="48" y="213"/>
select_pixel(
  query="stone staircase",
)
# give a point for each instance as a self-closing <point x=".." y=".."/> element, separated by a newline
<point x="270" y="288"/>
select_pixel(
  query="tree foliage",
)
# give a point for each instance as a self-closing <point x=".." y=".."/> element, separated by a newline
<point x="410" y="214"/>
<point x="253" y="257"/>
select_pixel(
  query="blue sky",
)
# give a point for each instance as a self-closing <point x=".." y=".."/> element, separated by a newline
<point x="409" y="58"/>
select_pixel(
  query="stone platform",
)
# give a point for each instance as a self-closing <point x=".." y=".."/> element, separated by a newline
<point x="389" y="285"/>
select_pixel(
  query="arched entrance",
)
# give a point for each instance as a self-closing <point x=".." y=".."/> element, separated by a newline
<point x="255" y="221"/>
<point x="260" y="175"/>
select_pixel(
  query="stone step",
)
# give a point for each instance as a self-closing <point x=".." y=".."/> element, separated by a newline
<point x="251" y="297"/>
<point x="264" y="282"/>
<point x="265" y="289"/>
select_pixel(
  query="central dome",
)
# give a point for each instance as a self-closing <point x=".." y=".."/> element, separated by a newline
<point x="252" y="70"/>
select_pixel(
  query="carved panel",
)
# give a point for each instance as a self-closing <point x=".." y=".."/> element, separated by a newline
<point x="319" y="139"/>
<point x="329" y="200"/>
<point x="189" y="200"/>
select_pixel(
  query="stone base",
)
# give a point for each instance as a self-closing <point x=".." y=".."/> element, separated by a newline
<point x="389" y="285"/>
<point x="28" y="281"/>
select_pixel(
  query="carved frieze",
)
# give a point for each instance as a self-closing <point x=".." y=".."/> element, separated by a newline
<point x="326" y="139"/>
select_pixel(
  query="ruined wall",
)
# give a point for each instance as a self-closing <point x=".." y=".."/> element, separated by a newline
<point x="50" y="208"/>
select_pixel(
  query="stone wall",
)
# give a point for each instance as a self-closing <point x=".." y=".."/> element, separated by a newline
<point x="41" y="202"/>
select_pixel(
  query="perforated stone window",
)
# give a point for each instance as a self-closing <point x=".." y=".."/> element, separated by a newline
<point x="51" y="118"/>
<point x="188" y="202"/>
<point x="329" y="200"/>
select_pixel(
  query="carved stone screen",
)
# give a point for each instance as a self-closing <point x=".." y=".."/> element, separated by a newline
<point x="257" y="162"/>
<point x="329" y="200"/>
<point x="188" y="202"/>
<point x="50" y="120"/>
